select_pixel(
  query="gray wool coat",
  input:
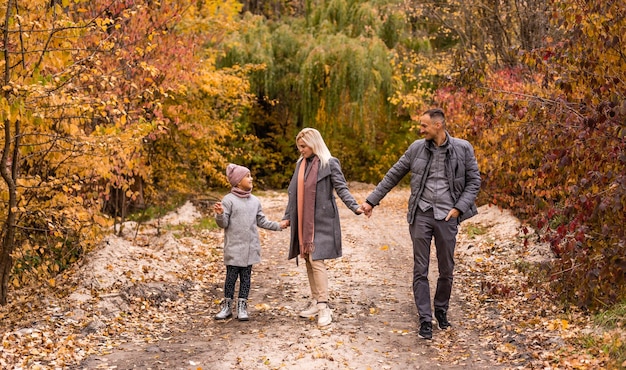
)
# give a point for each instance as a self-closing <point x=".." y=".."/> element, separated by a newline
<point x="240" y="219"/>
<point x="327" y="235"/>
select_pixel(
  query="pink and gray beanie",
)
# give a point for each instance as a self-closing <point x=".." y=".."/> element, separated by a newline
<point x="235" y="173"/>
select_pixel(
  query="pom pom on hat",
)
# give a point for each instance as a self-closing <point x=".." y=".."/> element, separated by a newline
<point x="235" y="173"/>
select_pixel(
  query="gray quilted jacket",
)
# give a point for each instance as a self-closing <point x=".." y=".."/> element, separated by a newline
<point x="461" y="169"/>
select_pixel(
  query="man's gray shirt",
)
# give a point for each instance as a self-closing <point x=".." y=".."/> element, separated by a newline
<point x="436" y="194"/>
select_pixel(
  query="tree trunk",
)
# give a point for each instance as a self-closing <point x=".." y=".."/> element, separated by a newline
<point x="8" y="170"/>
<point x="6" y="261"/>
<point x="8" y="227"/>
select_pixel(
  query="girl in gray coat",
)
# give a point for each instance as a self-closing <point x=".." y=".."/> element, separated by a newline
<point x="314" y="218"/>
<point x="239" y="214"/>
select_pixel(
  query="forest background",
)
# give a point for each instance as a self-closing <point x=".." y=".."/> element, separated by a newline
<point x="122" y="108"/>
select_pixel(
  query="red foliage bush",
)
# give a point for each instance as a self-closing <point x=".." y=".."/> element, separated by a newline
<point x="556" y="155"/>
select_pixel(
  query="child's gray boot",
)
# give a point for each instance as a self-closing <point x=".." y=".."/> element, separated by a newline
<point x="242" y="310"/>
<point x="227" y="310"/>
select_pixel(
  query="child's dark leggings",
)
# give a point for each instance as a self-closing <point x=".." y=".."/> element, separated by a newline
<point x="232" y="272"/>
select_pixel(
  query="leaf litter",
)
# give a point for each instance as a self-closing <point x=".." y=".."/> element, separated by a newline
<point x="147" y="300"/>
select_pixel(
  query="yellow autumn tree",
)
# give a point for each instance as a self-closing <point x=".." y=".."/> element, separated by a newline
<point x="47" y="162"/>
<point x="90" y="89"/>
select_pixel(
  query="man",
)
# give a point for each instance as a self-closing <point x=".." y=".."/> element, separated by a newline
<point x="444" y="184"/>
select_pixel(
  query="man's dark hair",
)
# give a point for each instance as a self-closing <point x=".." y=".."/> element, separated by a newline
<point x="436" y="113"/>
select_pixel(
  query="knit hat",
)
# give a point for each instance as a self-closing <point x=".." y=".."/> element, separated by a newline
<point x="235" y="173"/>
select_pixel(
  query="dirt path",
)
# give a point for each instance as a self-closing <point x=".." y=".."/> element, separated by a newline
<point x="374" y="318"/>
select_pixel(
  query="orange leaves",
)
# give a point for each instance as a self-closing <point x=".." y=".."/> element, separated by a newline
<point x="557" y="325"/>
<point x="262" y="307"/>
<point x="28" y="347"/>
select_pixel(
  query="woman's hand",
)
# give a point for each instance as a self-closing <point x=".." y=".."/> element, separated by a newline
<point x="367" y="209"/>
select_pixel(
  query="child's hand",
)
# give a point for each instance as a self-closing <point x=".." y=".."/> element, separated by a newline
<point x="284" y="224"/>
<point x="218" y="208"/>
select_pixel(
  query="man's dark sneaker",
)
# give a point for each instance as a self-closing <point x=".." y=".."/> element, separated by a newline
<point x="426" y="330"/>
<point x="442" y="319"/>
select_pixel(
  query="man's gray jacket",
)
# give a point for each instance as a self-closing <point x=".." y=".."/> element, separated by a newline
<point x="461" y="170"/>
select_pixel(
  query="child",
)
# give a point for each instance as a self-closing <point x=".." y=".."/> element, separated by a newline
<point x="239" y="214"/>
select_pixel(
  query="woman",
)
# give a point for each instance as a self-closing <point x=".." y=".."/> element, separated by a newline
<point x="313" y="216"/>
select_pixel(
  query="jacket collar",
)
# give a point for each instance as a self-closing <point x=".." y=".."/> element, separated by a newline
<point x="323" y="171"/>
<point x="446" y="144"/>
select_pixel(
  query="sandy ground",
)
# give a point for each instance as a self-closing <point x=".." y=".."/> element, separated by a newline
<point x="374" y="316"/>
<point x="170" y="287"/>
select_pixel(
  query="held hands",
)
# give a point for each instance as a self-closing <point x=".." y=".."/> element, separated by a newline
<point x="284" y="224"/>
<point x="366" y="209"/>
<point x="217" y="207"/>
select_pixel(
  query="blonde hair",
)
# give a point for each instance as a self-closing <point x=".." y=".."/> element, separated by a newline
<point x="313" y="139"/>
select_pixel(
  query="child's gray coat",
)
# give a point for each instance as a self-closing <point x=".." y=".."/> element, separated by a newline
<point x="241" y="237"/>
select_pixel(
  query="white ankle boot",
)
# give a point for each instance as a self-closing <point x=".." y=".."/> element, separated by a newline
<point x="242" y="310"/>
<point x="227" y="309"/>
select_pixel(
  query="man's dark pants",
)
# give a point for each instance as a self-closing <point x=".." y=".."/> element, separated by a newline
<point x="422" y="230"/>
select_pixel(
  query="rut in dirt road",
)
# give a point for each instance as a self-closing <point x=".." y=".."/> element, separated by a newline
<point x="375" y="320"/>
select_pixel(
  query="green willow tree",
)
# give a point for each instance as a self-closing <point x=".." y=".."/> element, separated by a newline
<point x="338" y="69"/>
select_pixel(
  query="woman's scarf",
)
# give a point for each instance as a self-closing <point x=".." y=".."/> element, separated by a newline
<point x="307" y="185"/>
<point x="240" y="192"/>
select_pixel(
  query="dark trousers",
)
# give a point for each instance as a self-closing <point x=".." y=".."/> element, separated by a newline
<point x="232" y="273"/>
<point x="422" y="230"/>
